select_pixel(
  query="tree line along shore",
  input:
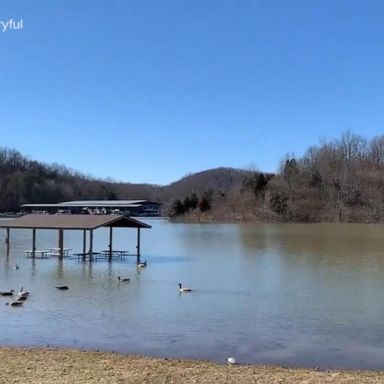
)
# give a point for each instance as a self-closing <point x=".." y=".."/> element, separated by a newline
<point x="59" y="366"/>
<point x="337" y="181"/>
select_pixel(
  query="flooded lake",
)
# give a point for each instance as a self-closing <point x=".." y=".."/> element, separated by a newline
<point x="307" y="295"/>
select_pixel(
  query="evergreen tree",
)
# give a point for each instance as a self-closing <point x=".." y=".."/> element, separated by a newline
<point x="205" y="202"/>
<point x="194" y="200"/>
<point x="177" y="208"/>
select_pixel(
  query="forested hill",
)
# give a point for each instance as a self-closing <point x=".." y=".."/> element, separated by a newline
<point x="339" y="181"/>
<point x="23" y="180"/>
<point x="27" y="181"/>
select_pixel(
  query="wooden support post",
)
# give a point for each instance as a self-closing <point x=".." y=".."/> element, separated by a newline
<point x="33" y="242"/>
<point x="84" y="241"/>
<point x="110" y="243"/>
<point x="90" y="244"/>
<point x="7" y="238"/>
<point x="61" y="243"/>
<point x="138" y="246"/>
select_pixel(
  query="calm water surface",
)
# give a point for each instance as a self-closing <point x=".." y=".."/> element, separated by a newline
<point x="283" y="294"/>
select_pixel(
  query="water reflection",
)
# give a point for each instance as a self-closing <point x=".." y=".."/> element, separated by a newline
<point x="33" y="266"/>
<point x="60" y="268"/>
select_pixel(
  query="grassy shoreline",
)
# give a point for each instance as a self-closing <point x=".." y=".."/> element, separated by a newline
<point x="59" y="366"/>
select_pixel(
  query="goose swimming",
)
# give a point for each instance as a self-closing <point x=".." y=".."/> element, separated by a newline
<point x="14" y="303"/>
<point x="184" y="289"/>
<point x="123" y="279"/>
<point x="7" y="293"/>
<point x="22" y="293"/>
<point x="142" y="265"/>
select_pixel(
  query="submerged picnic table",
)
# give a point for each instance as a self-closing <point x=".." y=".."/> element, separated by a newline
<point x="43" y="254"/>
<point x="115" y="253"/>
<point x="102" y="255"/>
<point x="88" y="255"/>
<point x="56" y="251"/>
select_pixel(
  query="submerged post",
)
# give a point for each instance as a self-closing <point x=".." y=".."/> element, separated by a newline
<point x="7" y="237"/>
<point x="84" y="241"/>
<point x="110" y="243"/>
<point x="61" y="243"/>
<point x="90" y="244"/>
<point x="138" y="246"/>
<point x="33" y="242"/>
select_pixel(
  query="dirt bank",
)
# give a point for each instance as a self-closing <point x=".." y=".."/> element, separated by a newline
<point x="57" y="366"/>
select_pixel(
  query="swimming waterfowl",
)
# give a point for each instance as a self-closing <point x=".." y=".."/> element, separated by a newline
<point x="7" y="293"/>
<point x="142" y="265"/>
<point x="125" y="279"/>
<point x="14" y="303"/>
<point x="62" y="287"/>
<point x="22" y="293"/>
<point x="182" y="289"/>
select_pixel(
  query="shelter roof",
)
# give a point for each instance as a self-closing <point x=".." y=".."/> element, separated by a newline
<point x="82" y="222"/>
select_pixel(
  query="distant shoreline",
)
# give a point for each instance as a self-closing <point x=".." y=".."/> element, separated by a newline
<point x="46" y="365"/>
<point x="212" y="219"/>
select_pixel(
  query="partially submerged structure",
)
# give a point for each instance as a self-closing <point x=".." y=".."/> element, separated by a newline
<point x="85" y="223"/>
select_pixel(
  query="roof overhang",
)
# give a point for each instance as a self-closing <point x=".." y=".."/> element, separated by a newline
<point x="74" y="222"/>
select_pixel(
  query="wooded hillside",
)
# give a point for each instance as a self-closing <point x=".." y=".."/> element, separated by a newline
<point x="27" y="181"/>
<point x="340" y="180"/>
<point x="337" y="181"/>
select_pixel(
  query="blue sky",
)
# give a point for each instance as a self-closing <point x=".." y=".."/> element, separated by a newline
<point x="149" y="90"/>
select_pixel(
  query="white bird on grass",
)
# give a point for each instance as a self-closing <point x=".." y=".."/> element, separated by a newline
<point x="231" y="361"/>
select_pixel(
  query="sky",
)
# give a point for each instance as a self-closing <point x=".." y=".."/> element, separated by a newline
<point x="149" y="91"/>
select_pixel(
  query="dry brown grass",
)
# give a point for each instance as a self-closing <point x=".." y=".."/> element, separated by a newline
<point x="22" y="365"/>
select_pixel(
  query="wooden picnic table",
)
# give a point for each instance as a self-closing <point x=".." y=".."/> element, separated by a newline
<point x="43" y="254"/>
<point x="56" y="250"/>
<point x="115" y="253"/>
<point x="88" y="255"/>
